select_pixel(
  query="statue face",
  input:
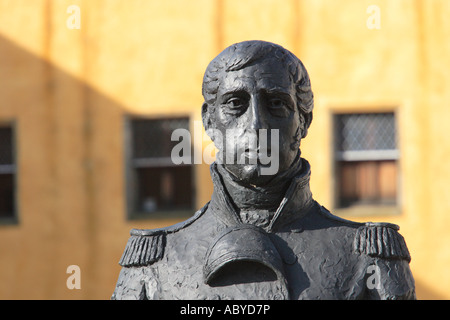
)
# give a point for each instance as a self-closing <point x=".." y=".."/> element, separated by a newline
<point x="259" y="96"/>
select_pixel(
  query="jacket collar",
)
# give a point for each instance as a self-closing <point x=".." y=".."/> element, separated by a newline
<point x="295" y="204"/>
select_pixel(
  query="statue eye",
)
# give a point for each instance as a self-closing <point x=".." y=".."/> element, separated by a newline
<point x="279" y="107"/>
<point x="235" y="106"/>
<point x="235" y="103"/>
<point x="277" y="103"/>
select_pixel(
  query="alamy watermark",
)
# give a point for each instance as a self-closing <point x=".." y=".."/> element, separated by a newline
<point x="74" y="20"/>
<point x="374" y="280"/>
<point x="374" y="20"/>
<point x="248" y="146"/>
<point x="74" y="280"/>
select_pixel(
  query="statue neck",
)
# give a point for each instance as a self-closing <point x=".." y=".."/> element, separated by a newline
<point x="251" y="197"/>
<point x="258" y="205"/>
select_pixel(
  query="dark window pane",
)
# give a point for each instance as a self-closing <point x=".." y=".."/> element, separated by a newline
<point x="156" y="184"/>
<point x="6" y="146"/>
<point x="7" y="202"/>
<point x="164" y="188"/>
<point x="151" y="138"/>
<point x="7" y="173"/>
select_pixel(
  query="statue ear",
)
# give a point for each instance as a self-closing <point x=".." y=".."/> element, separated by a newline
<point x="308" y="119"/>
<point x="206" y="119"/>
<point x="205" y="116"/>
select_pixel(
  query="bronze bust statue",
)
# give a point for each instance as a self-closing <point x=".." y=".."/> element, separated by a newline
<point x="262" y="235"/>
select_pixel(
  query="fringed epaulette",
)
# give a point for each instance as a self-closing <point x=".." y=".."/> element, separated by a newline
<point x="381" y="240"/>
<point x="143" y="249"/>
<point x="146" y="246"/>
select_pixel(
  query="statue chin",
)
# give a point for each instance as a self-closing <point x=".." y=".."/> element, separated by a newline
<point x="249" y="174"/>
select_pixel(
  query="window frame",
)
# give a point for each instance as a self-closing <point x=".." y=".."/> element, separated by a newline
<point x="14" y="218"/>
<point x="130" y="184"/>
<point x="336" y="156"/>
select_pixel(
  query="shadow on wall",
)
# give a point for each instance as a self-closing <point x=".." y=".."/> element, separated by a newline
<point x="69" y="182"/>
<point x="423" y="292"/>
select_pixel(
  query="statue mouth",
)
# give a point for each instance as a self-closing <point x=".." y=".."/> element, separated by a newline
<point x="258" y="154"/>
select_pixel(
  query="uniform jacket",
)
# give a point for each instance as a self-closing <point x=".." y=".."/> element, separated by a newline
<point x="305" y="252"/>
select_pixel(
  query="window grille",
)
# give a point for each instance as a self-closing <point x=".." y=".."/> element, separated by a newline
<point x="366" y="154"/>
<point x="370" y="136"/>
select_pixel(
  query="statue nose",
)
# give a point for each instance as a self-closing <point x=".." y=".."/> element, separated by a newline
<point x="257" y="120"/>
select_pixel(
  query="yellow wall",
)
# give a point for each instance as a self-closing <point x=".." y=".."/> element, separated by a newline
<point x="69" y="90"/>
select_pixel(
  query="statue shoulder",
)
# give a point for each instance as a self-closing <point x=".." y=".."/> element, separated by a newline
<point x="146" y="246"/>
<point x="381" y="240"/>
<point x="325" y="213"/>
<point x="377" y="239"/>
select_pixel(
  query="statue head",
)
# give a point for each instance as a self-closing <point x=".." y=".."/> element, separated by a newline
<point x="258" y="101"/>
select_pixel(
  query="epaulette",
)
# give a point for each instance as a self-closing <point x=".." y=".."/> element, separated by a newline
<point x="381" y="240"/>
<point x="142" y="250"/>
<point x="146" y="246"/>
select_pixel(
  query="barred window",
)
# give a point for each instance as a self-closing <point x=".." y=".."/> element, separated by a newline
<point x="366" y="154"/>
<point x="155" y="183"/>
<point x="7" y="174"/>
